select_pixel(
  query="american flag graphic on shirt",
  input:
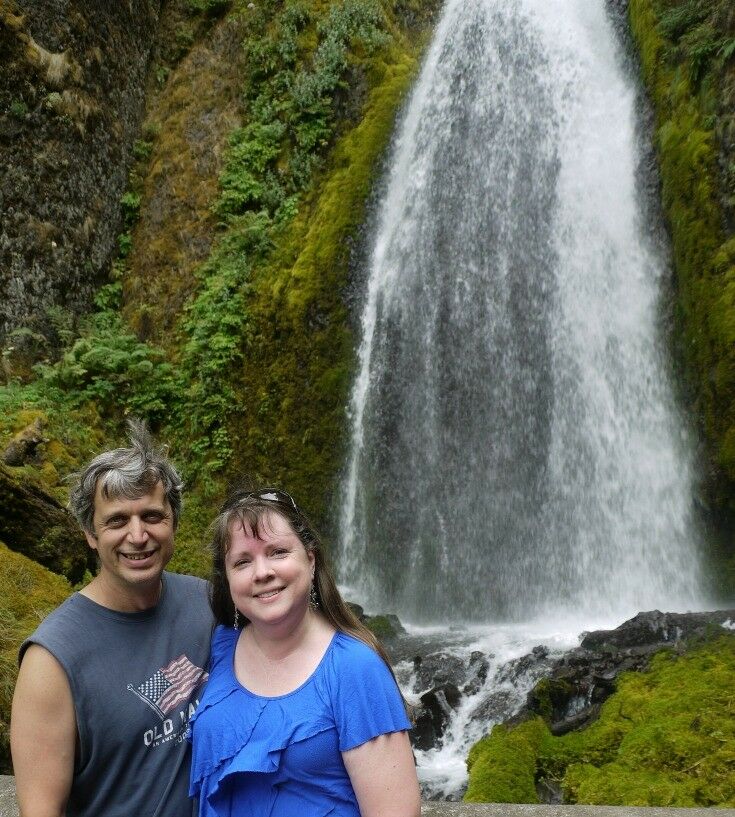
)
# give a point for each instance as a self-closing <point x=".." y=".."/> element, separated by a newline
<point x="170" y="686"/>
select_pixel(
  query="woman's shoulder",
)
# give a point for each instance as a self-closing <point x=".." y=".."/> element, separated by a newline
<point x="223" y="640"/>
<point x="348" y="650"/>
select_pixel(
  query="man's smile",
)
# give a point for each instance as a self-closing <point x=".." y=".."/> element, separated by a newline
<point x="138" y="557"/>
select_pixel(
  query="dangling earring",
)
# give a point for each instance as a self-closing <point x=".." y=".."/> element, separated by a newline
<point x="313" y="600"/>
<point x="236" y="623"/>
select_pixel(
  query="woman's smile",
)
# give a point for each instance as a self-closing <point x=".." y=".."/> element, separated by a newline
<point x="267" y="595"/>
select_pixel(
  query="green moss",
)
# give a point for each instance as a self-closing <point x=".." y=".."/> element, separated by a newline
<point x="502" y="766"/>
<point x="27" y="593"/>
<point x="683" y="46"/>
<point x="191" y="555"/>
<point x="547" y="696"/>
<point x="73" y="435"/>
<point x="381" y="627"/>
<point x="666" y="737"/>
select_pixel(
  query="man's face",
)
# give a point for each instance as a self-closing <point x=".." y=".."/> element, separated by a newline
<point x="134" y="539"/>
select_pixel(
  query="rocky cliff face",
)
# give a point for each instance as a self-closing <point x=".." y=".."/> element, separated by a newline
<point x="71" y="100"/>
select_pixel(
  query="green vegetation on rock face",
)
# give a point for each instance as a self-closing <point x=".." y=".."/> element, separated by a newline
<point x="666" y="737"/>
<point x="28" y="592"/>
<point x="687" y="50"/>
<point x="267" y="330"/>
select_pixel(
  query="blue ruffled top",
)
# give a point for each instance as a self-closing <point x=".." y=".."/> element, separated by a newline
<point x="255" y="756"/>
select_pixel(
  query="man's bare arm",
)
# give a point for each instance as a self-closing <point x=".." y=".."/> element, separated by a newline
<point x="43" y="735"/>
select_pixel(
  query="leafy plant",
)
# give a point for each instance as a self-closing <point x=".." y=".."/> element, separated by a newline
<point x="110" y="367"/>
<point x="18" y="108"/>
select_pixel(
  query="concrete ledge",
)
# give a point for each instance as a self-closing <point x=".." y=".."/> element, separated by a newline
<point x="506" y="810"/>
<point x="9" y="808"/>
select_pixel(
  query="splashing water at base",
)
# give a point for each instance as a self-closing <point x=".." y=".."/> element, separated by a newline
<point x="443" y="770"/>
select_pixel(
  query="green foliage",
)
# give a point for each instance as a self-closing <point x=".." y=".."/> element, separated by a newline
<point x="216" y="326"/>
<point x="18" y="108"/>
<point x="213" y="8"/>
<point x="250" y="180"/>
<point x="294" y="116"/>
<point x="666" y="737"/>
<point x="109" y="366"/>
<point x="680" y="18"/>
<point x="142" y="150"/>
<point x="265" y="339"/>
<point x="124" y="244"/>
<point x="130" y="207"/>
<point x="727" y="49"/>
<point x="685" y="46"/>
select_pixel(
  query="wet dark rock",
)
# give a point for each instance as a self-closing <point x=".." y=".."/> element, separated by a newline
<point x="495" y="707"/>
<point x="537" y="662"/>
<point x="24" y="444"/>
<point x="357" y="610"/>
<point x="651" y="630"/>
<point x="477" y="673"/>
<point x="433" y="714"/>
<point x="437" y="669"/>
<point x="570" y="697"/>
<point x="577" y="721"/>
<point x="33" y="523"/>
<point x="549" y="791"/>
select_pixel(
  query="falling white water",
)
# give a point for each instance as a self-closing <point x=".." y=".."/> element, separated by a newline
<point x="516" y="449"/>
<point x="442" y="770"/>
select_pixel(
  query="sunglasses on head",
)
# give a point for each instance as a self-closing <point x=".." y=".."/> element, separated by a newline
<point x="267" y="494"/>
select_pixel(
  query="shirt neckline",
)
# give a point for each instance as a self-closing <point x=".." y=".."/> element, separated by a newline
<point x="304" y="683"/>
<point x="122" y="615"/>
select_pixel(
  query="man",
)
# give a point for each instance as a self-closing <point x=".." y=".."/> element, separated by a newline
<point x="108" y="682"/>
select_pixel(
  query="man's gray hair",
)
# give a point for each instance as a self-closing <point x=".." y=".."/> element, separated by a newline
<point x="126" y="472"/>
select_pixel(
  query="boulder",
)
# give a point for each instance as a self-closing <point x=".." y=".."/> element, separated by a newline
<point x="24" y="444"/>
<point x="33" y="523"/>
<point x="571" y="696"/>
<point x="433" y="715"/>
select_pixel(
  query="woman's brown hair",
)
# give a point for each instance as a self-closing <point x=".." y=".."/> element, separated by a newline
<point x="250" y="508"/>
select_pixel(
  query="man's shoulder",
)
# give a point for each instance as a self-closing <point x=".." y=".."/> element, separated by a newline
<point x="184" y="580"/>
<point x="186" y="589"/>
<point x="71" y="611"/>
<point x="64" y="622"/>
<point x="187" y="599"/>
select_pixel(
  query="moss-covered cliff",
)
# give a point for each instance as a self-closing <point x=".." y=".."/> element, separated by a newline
<point x="71" y="101"/>
<point x="687" y="52"/>
<point x="264" y="128"/>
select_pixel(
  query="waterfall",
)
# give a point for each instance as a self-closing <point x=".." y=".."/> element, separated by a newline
<point x="516" y="449"/>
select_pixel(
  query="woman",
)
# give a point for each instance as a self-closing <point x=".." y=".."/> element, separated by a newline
<point x="301" y="716"/>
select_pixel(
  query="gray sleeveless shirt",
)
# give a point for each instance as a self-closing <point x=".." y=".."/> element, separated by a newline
<point x="135" y="679"/>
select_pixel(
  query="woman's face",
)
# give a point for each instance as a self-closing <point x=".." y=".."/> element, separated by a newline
<point x="269" y="575"/>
